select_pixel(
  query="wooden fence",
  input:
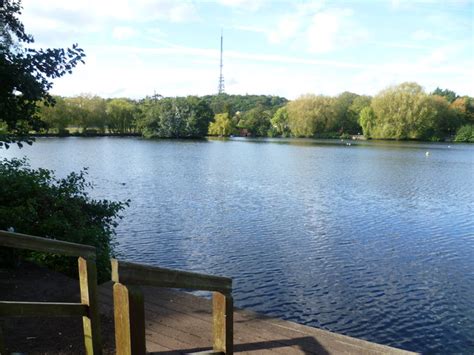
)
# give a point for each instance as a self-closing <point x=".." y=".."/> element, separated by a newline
<point x="87" y="309"/>
<point x="129" y="309"/>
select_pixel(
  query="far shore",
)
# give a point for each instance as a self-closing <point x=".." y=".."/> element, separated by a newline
<point x="356" y="137"/>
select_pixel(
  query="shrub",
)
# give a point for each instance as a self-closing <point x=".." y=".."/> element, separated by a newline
<point x="36" y="202"/>
<point x="465" y="134"/>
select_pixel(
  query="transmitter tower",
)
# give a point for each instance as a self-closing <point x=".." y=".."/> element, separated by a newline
<point x="220" y="88"/>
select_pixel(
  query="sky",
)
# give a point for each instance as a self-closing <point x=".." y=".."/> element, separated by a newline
<point x="136" y="48"/>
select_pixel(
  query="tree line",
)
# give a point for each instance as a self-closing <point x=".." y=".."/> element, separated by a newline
<point x="399" y="112"/>
<point x="158" y="116"/>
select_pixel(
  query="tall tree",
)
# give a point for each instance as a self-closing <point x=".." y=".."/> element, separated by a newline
<point x="26" y="75"/>
<point x="310" y="115"/>
<point x="121" y="114"/>
<point x="403" y="112"/>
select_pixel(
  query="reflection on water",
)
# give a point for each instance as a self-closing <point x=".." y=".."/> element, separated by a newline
<point x="373" y="240"/>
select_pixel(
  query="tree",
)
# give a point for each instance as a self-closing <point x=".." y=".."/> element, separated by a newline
<point x="465" y="134"/>
<point x="121" y="115"/>
<point x="180" y="117"/>
<point x="449" y="95"/>
<point x="58" y="116"/>
<point x="26" y="74"/>
<point x="222" y="125"/>
<point x="310" y="115"/>
<point x="89" y="112"/>
<point x="231" y="104"/>
<point x="346" y="120"/>
<point x="403" y="112"/>
<point x="464" y="106"/>
<point x="279" y="122"/>
<point x="257" y="121"/>
<point x="359" y="103"/>
<point x="367" y="121"/>
<point x="447" y="120"/>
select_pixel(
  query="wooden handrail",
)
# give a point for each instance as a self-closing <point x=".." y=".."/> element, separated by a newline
<point x="129" y="307"/>
<point x="25" y="241"/>
<point x="145" y="275"/>
<point x="87" y="309"/>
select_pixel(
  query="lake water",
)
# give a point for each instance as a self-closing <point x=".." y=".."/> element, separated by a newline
<point x="373" y="240"/>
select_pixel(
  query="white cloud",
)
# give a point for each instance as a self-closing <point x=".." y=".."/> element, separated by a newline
<point x="286" y="28"/>
<point x="78" y="12"/>
<point x="214" y="54"/>
<point x="248" y="5"/>
<point x="172" y="71"/>
<point x="424" y="35"/>
<point x="324" y="30"/>
<point x="333" y="29"/>
<point x="123" y="32"/>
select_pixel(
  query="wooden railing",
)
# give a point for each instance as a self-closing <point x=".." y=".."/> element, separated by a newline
<point x="129" y="309"/>
<point x="87" y="309"/>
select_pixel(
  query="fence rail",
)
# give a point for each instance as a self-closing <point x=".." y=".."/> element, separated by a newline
<point x="87" y="309"/>
<point x="129" y="308"/>
<point x="29" y="242"/>
<point x="145" y="275"/>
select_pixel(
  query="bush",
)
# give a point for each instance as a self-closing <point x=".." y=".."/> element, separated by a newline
<point x="465" y="134"/>
<point x="36" y="202"/>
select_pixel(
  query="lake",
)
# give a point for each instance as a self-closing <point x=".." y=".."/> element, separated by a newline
<point x="374" y="240"/>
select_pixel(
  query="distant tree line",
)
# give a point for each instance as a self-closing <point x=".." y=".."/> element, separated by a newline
<point x="399" y="112"/>
<point x="157" y="116"/>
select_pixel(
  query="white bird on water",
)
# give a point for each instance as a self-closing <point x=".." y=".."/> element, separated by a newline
<point x="427" y="154"/>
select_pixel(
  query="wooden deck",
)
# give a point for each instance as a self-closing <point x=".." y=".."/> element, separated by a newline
<point x="178" y="322"/>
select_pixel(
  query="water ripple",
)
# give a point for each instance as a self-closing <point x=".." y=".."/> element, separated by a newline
<point x="375" y="242"/>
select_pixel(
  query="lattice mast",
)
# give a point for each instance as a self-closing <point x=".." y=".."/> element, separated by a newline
<point x="220" y="89"/>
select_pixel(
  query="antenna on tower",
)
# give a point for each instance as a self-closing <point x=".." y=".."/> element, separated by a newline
<point x="220" y="89"/>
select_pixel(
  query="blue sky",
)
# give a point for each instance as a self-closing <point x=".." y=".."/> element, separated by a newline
<point x="287" y="48"/>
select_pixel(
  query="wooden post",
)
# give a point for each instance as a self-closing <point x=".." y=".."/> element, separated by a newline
<point x="91" y="323"/>
<point x="129" y="315"/>
<point x="223" y="324"/>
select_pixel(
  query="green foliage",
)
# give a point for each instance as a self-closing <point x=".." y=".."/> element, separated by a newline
<point x="279" y="123"/>
<point x="88" y="112"/>
<point x="346" y="120"/>
<point x="256" y="121"/>
<point x="447" y="120"/>
<point x="367" y="120"/>
<point x="449" y="95"/>
<point x="403" y="112"/>
<point x="222" y="125"/>
<point x="359" y="103"/>
<point x="231" y="104"/>
<point x="464" y="107"/>
<point x="311" y="115"/>
<point x="180" y="117"/>
<point x="465" y="134"/>
<point x="26" y="75"/>
<point x="36" y="202"/>
<point x="121" y="115"/>
<point x="57" y="117"/>
<point x="407" y="112"/>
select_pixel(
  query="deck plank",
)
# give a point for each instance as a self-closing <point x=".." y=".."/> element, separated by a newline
<point x="178" y="322"/>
